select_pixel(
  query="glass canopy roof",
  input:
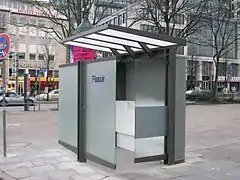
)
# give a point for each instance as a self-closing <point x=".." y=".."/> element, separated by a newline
<point x="122" y="40"/>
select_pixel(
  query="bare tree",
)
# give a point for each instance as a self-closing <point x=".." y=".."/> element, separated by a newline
<point x="47" y="45"/>
<point x="192" y="70"/>
<point x="220" y="21"/>
<point x="66" y="15"/>
<point x="226" y="69"/>
<point x="175" y="18"/>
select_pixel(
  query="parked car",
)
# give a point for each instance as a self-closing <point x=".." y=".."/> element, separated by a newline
<point x="201" y="95"/>
<point x="53" y="95"/>
<point x="12" y="98"/>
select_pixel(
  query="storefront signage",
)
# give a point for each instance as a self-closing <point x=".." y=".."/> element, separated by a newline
<point x="34" y="65"/>
<point x="79" y="54"/>
<point x="36" y="13"/>
<point x="232" y="79"/>
<point x="98" y="79"/>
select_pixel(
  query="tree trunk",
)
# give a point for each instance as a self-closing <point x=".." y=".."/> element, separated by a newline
<point x="68" y="51"/>
<point x="216" y="78"/>
<point x="47" y="84"/>
<point x="225" y="73"/>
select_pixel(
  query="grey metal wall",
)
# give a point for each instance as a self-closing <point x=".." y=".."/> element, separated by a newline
<point x="68" y="107"/>
<point x="146" y="86"/>
<point x="150" y="83"/>
<point x="101" y="112"/>
<point x="180" y="111"/>
<point x="146" y="83"/>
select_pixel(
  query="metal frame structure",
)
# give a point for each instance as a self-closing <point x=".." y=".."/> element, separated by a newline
<point x="126" y="42"/>
<point x="122" y="41"/>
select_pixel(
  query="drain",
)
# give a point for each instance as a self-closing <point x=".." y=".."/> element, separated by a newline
<point x="19" y="144"/>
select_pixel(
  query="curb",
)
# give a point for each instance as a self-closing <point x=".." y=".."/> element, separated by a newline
<point x="48" y="102"/>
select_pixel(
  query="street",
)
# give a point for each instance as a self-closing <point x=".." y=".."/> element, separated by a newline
<point x="43" y="106"/>
<point x="212" y="150"/>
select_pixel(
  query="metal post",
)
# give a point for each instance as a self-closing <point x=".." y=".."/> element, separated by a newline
<point x="4" y="132"/>
<point x="39" y="89"/>
<point x="26" y="107"/>
<point x="58" y="104"/>
<point x="16" y="84"/>
<point x="4" y="110"/>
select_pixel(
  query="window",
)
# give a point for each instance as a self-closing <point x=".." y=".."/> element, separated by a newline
<point x="115" y="21"/>
<point x="179" y="19"/>
<point x="11" y="55"/>
<point x="2" y="20"/>
<point x="13" y="19"/>
<point x="41" y="23"/>
<point x="124" y="17"/>
<point x="51" y="57"/>
<point x="22" y="38"/>
<point x="207" y="68"/>
<point x="21" y="72"/>
<point x="32" y="72"/>
<point x="120" y="19"/>
<point x="33" y="21"/>
<point x="56" y="73"/>
<point x="32" y="56"/>
<point x="23" y="7"/>
<point x="21" y="55"/>
<point x="11" y="95"/>
<point x="41" y="57"/>
<point x="22" y="20"/>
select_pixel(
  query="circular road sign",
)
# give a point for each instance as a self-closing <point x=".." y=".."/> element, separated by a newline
<point x="5" y="45"/>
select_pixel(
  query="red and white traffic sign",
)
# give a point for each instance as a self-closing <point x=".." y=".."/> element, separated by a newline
<point x="5" y="45"/>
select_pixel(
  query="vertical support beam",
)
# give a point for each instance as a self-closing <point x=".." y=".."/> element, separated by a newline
<point x="4" y="109"/>
<point x="26" y="108"/>
<point x="81" y="130"/>
<point x="175" y="140"/>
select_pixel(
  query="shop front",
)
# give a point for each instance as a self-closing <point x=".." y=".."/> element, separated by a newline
<point x="33" y="68"/>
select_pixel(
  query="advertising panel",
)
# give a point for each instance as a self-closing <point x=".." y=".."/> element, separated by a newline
<point x="79" y="54"/>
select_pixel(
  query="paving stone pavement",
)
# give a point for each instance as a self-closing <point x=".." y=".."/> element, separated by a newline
<point x="212" y="151"/>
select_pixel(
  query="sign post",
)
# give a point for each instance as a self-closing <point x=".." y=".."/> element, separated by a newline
<point x="15" y="70"/>
<point x="39" y="87"/>
<point x="5" y="45"/>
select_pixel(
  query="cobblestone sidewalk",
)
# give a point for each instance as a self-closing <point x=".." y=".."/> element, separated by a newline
<point x="60" y="164"/>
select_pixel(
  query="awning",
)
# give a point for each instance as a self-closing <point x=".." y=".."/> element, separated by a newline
<point x="122" y="40"/>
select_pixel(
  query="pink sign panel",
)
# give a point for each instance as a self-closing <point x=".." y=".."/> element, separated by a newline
<point x="79" y="54"/>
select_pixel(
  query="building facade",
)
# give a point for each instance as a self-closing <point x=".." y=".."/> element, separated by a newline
<point x="204" y="67"/>
<point x="35" y="48"/>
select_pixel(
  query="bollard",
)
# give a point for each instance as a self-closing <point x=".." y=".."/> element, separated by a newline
<point x="58" y="105"/>
<point x="4" y="132"/>
<point x="39" y="105"/>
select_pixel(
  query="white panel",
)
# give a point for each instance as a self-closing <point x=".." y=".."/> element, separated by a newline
<point x="125" y="117"/>
<point x="100" y="43"/>
<point x="101" y="110"/>
<point x="136" y="38"/>
<point x="88" y="46"/>
<point x="22" y="47"/>
<point x="125" y="141"/>
<point x="32" y="48"/>
<point x="68" y="106"/>
<point x="149" y="147"/>
<point x="117" y="40"/>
